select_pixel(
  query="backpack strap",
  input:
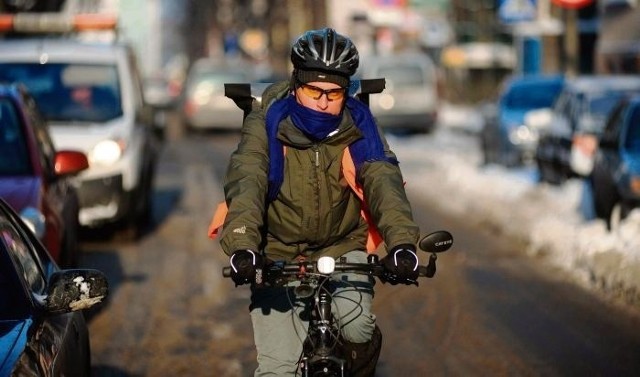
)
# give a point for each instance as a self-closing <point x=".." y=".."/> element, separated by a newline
<point x="374" y="239"/>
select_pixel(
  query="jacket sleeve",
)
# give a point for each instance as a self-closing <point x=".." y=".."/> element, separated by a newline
<point x="387" y="201"/>
<point x="245" y="187"/>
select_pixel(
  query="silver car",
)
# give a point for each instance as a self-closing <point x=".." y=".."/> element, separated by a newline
<point x="203" y="104"/>
<point x="411" y="97"/>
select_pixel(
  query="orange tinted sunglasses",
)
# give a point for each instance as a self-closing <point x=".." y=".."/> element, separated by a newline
<point x="316" y="93"/>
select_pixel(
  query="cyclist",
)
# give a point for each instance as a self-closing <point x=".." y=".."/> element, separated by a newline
<point x="288" y="199"/>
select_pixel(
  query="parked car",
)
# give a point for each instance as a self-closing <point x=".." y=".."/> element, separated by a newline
<point x="412" y="95"/>
<point x="35" y="178"/>
<point x="92" y="96"/>
<point x="581" y="108"/>
<point x="203" y="104"/>
<point x="505" y="138"/>
<point x="42" y="329"/>
<point x="615" y="177"/>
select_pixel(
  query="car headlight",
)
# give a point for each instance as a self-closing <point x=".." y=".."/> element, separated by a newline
<point x="522" y="135"/>
<point x="34" y="219"/>
<point x="107" y="152"/>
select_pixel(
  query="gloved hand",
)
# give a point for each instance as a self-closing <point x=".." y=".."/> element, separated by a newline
<point x="244" y="264"/>
<point x="401" y="264"/>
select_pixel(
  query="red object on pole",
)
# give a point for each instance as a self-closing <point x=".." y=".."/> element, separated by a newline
<point x="572" y="4"/>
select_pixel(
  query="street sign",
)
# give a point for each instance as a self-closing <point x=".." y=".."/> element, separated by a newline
<point x="511" y="11"/>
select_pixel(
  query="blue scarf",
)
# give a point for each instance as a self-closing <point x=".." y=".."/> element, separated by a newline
<point x="317" y="126"/>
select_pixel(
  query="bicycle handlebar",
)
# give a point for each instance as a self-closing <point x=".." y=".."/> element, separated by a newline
<point x="280" y="272"/>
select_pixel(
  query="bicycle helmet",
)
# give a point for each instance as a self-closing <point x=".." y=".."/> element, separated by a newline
<point x="324" y="55"/>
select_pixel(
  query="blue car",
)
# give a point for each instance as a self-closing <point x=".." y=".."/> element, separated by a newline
<point x="505" y="138"/>
<point x="615" y="178"/>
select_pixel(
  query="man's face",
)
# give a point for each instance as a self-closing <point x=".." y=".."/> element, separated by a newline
<point x="326" y="97"/>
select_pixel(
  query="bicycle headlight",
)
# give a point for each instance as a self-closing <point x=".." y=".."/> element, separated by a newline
<point x="326" y="265"/>
<point x="106" y="152"/>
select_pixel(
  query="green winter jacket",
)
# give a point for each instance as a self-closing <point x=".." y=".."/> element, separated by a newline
<point x="316" y="213"/>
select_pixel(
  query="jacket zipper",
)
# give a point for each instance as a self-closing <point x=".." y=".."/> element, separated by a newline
<point x="317" y="188"/>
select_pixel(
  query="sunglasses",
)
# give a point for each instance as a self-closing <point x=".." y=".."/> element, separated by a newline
<point x="316" y="93"/>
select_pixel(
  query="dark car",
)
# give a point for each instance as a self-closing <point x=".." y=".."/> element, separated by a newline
<point x="42" y="328"/>
<point x="505" y="137"/>
<point x="582" y="107"/>
<point x="615" y="178"/>
<point x="35" y="178"/>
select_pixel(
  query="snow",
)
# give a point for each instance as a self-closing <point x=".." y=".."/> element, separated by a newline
<point x="445" y="168"/>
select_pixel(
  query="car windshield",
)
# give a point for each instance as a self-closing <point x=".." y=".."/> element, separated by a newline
<point x="604" y="103"/>
<point x="208" y="82"/>
<point x="14" y="159"/>
<point x="403" y="76"/>
<point x="69" y="92"/>
<point x="531" y="96"/>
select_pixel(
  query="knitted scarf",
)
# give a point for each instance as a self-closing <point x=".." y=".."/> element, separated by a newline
<point x="317" y="126"/>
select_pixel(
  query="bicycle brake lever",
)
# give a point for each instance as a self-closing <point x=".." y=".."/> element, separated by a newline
<point x="431" y="267"/>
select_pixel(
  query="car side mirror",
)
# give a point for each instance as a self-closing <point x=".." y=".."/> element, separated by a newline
<point x="72" y="290"/>
<point x="70" y="162"/>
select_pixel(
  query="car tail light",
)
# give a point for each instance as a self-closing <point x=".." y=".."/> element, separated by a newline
<point x="634" y="184"/>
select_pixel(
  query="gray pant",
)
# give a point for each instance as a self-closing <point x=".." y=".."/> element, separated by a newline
<point x="280" y="320"/>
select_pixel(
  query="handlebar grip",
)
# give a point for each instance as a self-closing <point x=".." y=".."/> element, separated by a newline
<point x="226" y="272"/>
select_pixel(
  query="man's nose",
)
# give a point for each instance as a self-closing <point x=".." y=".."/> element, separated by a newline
<point x="323" y="101"/>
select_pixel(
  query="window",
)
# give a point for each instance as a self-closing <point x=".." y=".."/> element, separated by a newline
<point x="70" y="92"/>
<point x="14" y="159"/>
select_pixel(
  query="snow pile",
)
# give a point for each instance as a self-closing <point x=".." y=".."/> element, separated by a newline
<point x="445" y="168"/>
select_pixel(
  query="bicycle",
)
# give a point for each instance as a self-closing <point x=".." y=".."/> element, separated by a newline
<point x="321" y="349"/>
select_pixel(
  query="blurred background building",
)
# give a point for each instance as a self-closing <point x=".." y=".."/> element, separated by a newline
<point x="478" y="40"/>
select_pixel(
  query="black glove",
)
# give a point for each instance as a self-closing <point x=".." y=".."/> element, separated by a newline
<point x="244" y="264"/>
<point x="401" y="265"/>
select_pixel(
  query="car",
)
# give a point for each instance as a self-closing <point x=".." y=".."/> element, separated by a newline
<point x="412" y="94"/>
<point x="615" y="177"/>
<point x="505" y="138"/>
<point x="91" y="94"/>
<point x="43" y="329"/>
<point x="203" y="105"/>
<point x="581" y="108"/>
<point x="35" y="178"/>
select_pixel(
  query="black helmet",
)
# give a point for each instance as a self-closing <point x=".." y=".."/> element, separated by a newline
<point x="325" y="50"/>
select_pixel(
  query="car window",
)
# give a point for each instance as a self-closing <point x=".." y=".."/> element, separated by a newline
<point x="13" y="304"/>
<point x="403" y="76"/>
<point x="207" y="82"/>
<point x="530" y="97"/>
<point x="46" y="149"/>
<point x="27" y="264"/>
<point x="70" y="92"/>
<point x="632" y="138"/>
<point x="14" y="159"/>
